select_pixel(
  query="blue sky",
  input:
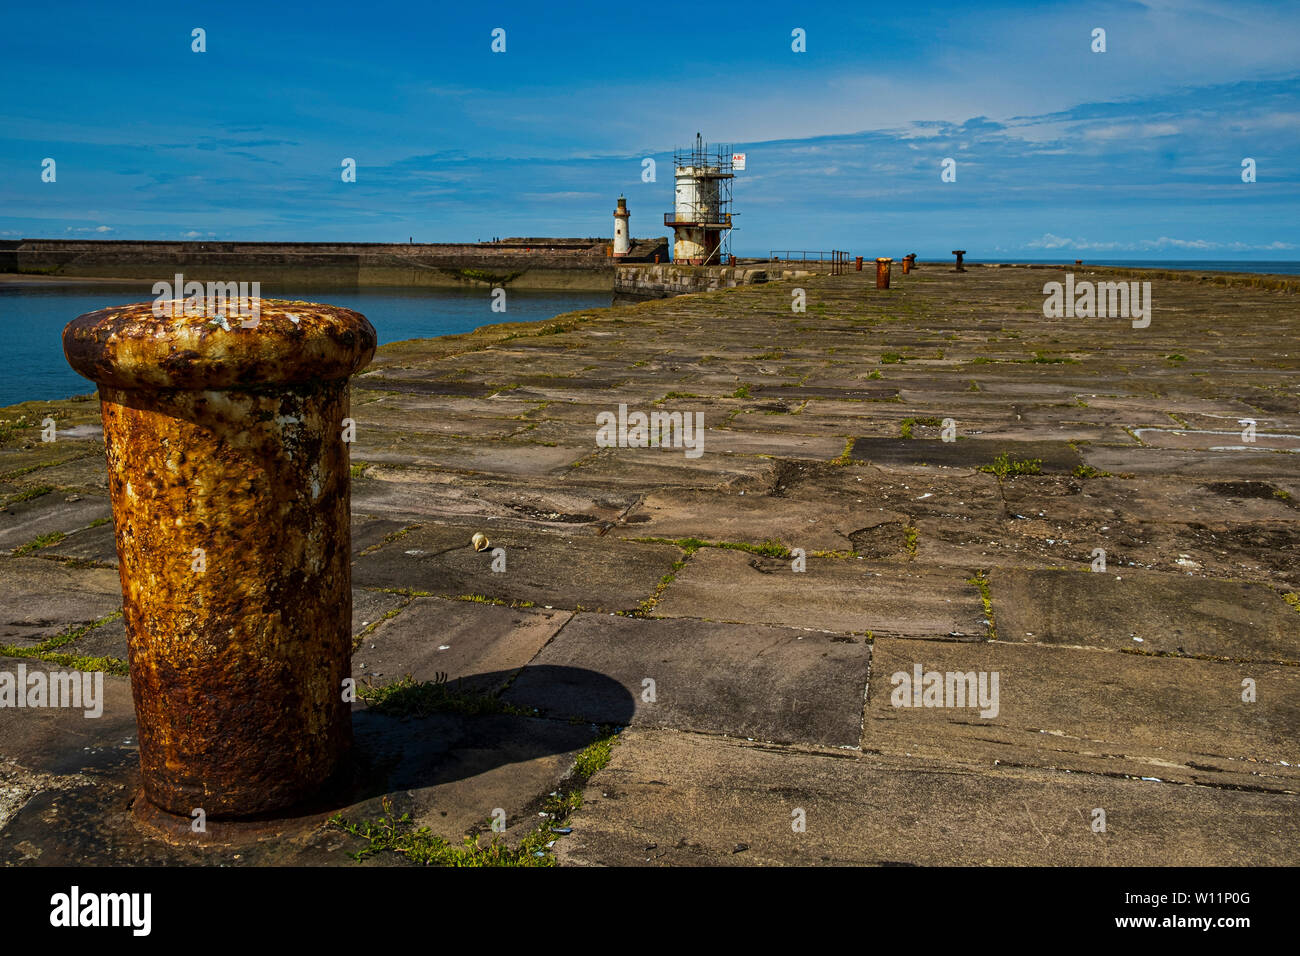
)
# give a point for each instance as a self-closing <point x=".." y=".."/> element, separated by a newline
<point x="1061" y="152"/>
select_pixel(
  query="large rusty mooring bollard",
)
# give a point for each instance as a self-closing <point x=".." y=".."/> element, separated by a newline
<point x="882" y="273"/>
<point x="228" y="471"/>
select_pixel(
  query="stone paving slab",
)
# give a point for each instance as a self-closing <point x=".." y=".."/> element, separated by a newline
<point x="93" y="544"/>
<point x="462" y="640"/>
<point x="719" y="516"/>
<point x="849" y="596"/>
<point x="563" y="571"/>
<point x="1214" y="465"/>
<point x="1146" y="611"/>
<point x="767" y="683"/>
<point x="675" y="799"/>
<point x="1088" y="711"/>
<point x="644" y="468"/>
<point x="21" y="523"/>
<point x="410" y="495"/>
<point x="40" y="599"/>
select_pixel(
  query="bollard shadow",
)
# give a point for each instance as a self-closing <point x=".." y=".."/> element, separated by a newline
<point x="416" y="736"/>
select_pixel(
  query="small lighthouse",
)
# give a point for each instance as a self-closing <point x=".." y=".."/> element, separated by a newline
<point x="622" y="242"/>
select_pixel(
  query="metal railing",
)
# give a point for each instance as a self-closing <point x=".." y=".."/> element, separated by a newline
<point x="801" y="255"/>
<point x="837" y="258"/>
<point x="706" y="221"/>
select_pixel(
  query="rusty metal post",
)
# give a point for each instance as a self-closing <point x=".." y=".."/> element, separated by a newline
<point x="907" y="265"/>
<point x="959" y="253"/>
<point x="882" y="273"/>
<point x="228" y="472"/>
<point x="859" y="263"/>
<point x="656" y="258"/>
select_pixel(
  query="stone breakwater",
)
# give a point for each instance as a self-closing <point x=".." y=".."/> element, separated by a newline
<point x="526" y="263"/>
<point x="1086" y="537"/>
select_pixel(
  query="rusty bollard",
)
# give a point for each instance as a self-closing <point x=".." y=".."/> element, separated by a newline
<point x="858" y="263"/>
<point x="959" y="253"/>
<point x="907" y="264"/>
<point x="229" y="478"/>
<point x="882" y="273"/>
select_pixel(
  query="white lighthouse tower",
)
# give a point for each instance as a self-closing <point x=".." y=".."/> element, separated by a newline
<point x="701" y="216"/>
<point x="622" y="240"/>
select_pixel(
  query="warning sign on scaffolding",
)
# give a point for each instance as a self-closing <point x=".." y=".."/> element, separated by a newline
<point x="738" y="161"/>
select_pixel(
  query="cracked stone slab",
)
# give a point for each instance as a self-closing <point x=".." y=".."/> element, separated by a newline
<point x="846" y="595"/>
<point x="769" y="683"/>
<point x="720" y="516"/>
<point x="1055" y="456"/>
<point x="1090" y="711"/>
<point x="675" y="799"/>
<point x="1170" y="613"/>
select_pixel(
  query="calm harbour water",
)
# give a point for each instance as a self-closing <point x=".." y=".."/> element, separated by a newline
<point x="32" y="317"/>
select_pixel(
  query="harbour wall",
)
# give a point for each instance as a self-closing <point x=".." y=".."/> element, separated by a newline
<point x="559" y="264"/>
<point x="663" y="280"/>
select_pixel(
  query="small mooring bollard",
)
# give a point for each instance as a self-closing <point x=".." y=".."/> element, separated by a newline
<point x="1078" y="262"/>
<point x="907" y="264"/>
<point x="882" y="273"/>
<point x="859" y="263"/>
<point x="959" y="253"/>
<point x="228" y="471"/>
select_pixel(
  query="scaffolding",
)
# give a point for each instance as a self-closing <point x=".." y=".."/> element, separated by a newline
<point x="702" y="215"/>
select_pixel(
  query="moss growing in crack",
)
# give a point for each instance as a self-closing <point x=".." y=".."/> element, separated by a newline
<point x="1003" y="466"/>
<point x="77" y="662"/>
<point x="390" y="833"/>
<point x="981" y="581"/>
<point x="844" y="457"/>
<point x="498" y="602"/>
<point x="28" y="494"/>
<point x="1087" y="471"/>
<point x="40" y="541"/>
<point x="672" y="395"/>
<point x="906" y="425"/>
<point x="911" y="537"/>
